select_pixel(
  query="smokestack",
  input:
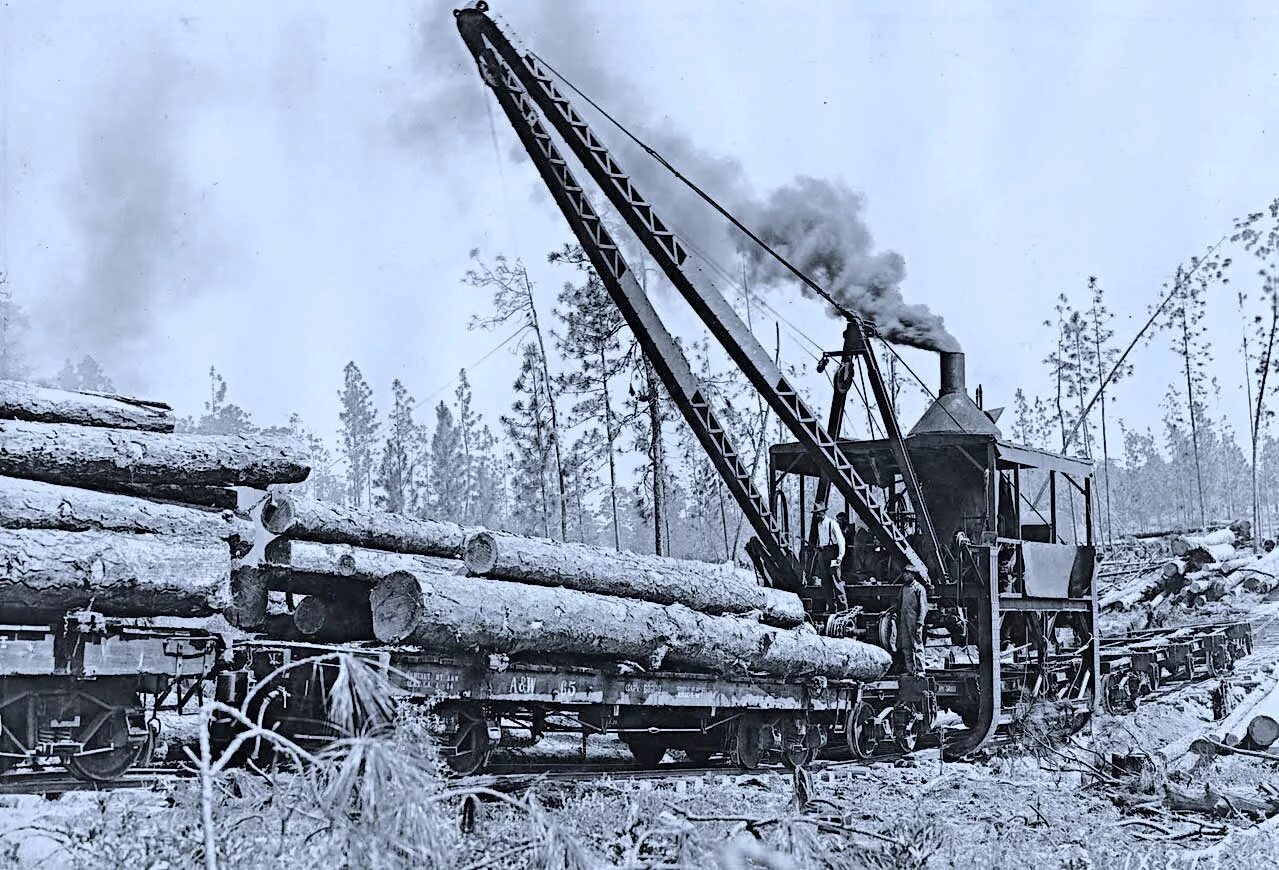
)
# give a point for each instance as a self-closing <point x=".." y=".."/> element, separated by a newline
<point x="952" y="373"/>
<point x="954" y="412"/>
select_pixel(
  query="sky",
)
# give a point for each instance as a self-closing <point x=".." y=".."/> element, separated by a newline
<point x="275" y="189"/>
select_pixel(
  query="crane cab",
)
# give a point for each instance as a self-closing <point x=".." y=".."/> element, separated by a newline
<point x="1012" y="598"/>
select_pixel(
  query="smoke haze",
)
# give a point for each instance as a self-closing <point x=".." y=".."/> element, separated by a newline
<point x="817" y="224"/>
<point x="126" y="203"/>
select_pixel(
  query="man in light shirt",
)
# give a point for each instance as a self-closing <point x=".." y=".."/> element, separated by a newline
<point x="830" y="553"/>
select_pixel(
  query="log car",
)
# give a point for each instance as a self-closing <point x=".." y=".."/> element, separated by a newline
<point x="485" y="701"/>
<point x="83" y="690"/>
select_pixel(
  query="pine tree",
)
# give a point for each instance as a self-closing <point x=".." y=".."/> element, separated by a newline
<point x="528" y="431"/>
<point x="400" y="467"/>
<point x="359" y="428"/>
<point x="1102" y="370"/>
<point x="1184" y="322"/>
<point x="13" y="327"/>
<point x="513" y="301"/>
<point x="596" y="344"/>
<point x="87" y="374"/>
<point x="321" y="483"/>
<point x="221" y="417"/>
<point x="448" y="488"/>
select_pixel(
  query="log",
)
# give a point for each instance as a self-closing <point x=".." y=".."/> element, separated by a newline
<point x="35" y="404"/>
<point x="217" y="497"/>
<point x="309" y="519"/>
<point x="1232" y="730"/>
<point x="1219" y="803"/>
<point x="1183" y="544"/>
<point x="248" y="608"/>
<point x="334" y="619"/>
<point x="96" y="458"/>
<point x="311" y="558"/>
<point x="474" y="613"/>
<point x="30" y="504"/>
<point x="117" y="574"/>
<point x="702" y="586"/>
<point x="1263" y="720"/>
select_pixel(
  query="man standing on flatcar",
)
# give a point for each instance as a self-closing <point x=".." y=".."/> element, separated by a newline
<point x="830" y="555"/>
<point x="912" y="607"/>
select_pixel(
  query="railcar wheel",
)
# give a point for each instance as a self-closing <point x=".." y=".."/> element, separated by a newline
<point x="700" y="757"/>
<point x="747" y="742"/>
<point x="107" y="751"/>
<point x="798" y="756"/>
<point x="646" y="749"/>
<point x="906" y="727"/>
<point x="1117" y="695"/>
<point x="860" y="731"/>
<point x="470" y="749"/>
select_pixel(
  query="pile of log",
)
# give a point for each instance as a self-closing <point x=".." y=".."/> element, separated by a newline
<point x="1198" y="568"/>
<point x="1252" y="725"/>
<point x="367" y="574"/>
<point x="104" y="506"/>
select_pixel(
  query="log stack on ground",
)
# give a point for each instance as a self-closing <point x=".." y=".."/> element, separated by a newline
<point x="474" y="613"/>
<point x="103" y="506"/>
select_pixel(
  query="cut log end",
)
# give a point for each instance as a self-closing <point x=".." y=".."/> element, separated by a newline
<point x="278" y="514"/>
<point x="397" y="605"/>
<point x="480" y="553"/>
<point x="311" y="615"/>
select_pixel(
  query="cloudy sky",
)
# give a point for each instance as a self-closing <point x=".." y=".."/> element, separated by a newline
<point x="278" y="188"/>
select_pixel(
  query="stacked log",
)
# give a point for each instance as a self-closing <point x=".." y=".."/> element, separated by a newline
<point x="702" y="586"/>
<point x="530" y="595"/>
<point x="103" y="506"/>
<point x="307" y="519"/>
<point x="471" y="613"/>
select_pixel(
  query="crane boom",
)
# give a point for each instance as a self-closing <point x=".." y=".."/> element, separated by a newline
<point x="637" y="310"/>
<point x="507" y="72"/>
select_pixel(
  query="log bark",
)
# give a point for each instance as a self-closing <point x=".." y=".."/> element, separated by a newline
<point x="22" y="401"/>
<point x="702" y="586"/>
<point x="312" y="520"/>
<point x="344" y="561"/>
<point x="97" y="458"/>
<point x="30" y="504"/>
<point x="117" y="574"/>
<point x="474" y="613"/>
<point x="217" y="497"/>
<point x="334" y="619"/>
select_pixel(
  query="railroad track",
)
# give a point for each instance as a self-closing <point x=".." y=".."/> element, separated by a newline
<point x="57" y="781"/>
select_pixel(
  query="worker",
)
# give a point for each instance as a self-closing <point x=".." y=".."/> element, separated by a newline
<point x="912" y="607"/>
<point x="830" y="555"/>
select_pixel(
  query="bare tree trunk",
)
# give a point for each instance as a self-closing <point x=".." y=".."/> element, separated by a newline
<point x="550" y="401"/>
<point x="610" y="436"/>
<point x="1194" y="424"/>
<point x="658" y="458"/>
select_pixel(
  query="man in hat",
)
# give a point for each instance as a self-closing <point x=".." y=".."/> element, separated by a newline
<point x="912" y="607"/>
<point x="830" y="554"/>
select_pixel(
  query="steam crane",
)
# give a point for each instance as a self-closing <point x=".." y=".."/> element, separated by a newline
<point x="1013" y="579"/>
